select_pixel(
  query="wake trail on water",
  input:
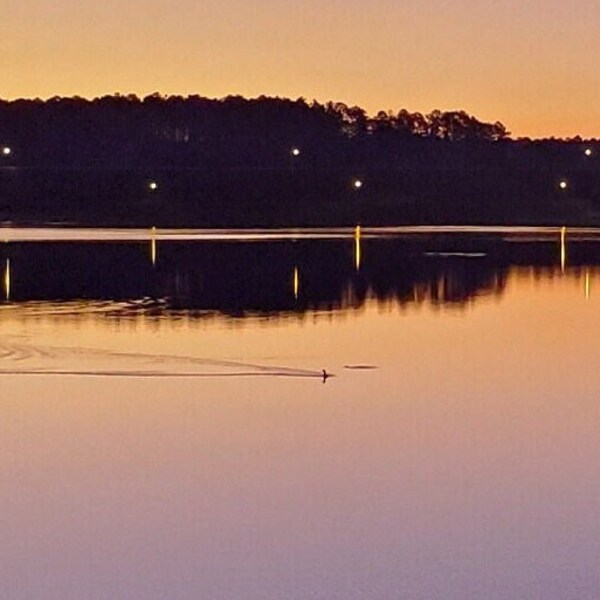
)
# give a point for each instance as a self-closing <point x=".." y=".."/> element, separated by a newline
<point x="21" y="357"/>
<point x="150" y="374"/>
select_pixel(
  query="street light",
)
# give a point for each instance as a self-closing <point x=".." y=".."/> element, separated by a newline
<point x="563" y="184"/>
<point x="588" y="152"/>
<point x="357" y="184"/>
<point x="6" y="151"/>
<point x="296" y="152"/>
<point x="153" y="186"/>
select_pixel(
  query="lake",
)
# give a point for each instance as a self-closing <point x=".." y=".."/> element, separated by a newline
<point x="167" y="431"/>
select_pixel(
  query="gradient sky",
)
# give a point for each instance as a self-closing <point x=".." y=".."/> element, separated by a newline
<point x="534" y="65"/>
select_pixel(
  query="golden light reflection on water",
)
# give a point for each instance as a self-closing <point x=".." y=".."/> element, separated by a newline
<point x="7" y="280"/>
<point x="153" y="247"/>
<point x="357" y="247"/>
<point x="442" y="296"/>
<point x="296" y="283"/>
<point x="444" y="292"/>
<point x="489" y="413"/>
<point x="588" y="285"/>
<point x="563" y="248"/>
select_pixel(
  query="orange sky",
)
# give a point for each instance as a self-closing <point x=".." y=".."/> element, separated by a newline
<point x="534" y="65"/>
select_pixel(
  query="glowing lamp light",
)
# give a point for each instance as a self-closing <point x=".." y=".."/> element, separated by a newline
<point x="588" y="152"/>
<point x="153" y="186"/>
<point x="296" y="152"/>
<point x="563" y="184"/>
<point x="6" y="151"/>
<point x="357" y="184"/>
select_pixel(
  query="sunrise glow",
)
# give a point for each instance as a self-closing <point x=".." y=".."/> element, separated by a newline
<point x="535" y="66"/>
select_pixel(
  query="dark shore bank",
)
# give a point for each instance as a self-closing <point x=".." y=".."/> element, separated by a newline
<point x="195" y="162"/>
<point x="285" y="198"/>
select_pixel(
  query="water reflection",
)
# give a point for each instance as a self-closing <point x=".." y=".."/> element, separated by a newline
<point x="211" y="457"/>
<point x="153" y="250"/>
<point x="357" y="248"/>
<point x="237" y="279"/>
<point x="588" y="284"/>
<point x="563" y="249"/>
<point x="296" y="283"/>
<point x="7" y="280"/>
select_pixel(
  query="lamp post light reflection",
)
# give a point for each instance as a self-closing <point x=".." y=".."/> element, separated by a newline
<point x="588" y="285"/>
<point x="296" y="283"/>
<point x="153" y="249"/>
<point x="563" y="249"/>
<point x="7" y="280"/>
<point x="357" y="248"/>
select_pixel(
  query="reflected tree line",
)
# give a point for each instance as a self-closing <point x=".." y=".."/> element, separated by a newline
<point x="239" y="279"/>
<point x="272" y="162"/>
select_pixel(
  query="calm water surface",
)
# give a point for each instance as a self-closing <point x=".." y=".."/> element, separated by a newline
<point x="166" y="432"/>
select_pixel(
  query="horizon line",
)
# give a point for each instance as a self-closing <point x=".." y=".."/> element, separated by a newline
<point x="309" y="102"/>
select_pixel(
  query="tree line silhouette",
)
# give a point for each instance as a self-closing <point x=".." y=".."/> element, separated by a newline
<point x="274" y="161"/>
<point x="232" y="132"/>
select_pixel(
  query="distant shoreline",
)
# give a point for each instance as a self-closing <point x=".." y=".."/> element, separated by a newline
<point x="286" y="198"/>
<point x="271" y="162"/>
